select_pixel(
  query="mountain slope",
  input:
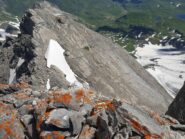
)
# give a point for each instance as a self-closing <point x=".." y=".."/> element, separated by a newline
<point x="94" y="59"/>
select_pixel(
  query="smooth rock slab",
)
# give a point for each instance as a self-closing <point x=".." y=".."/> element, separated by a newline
<point x="66" y="120"/>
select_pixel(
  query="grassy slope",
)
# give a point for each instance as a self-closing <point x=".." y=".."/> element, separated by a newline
<point x="94" y="12"/>
<point x="148" y="14"/>
<point x="17" y="7"/>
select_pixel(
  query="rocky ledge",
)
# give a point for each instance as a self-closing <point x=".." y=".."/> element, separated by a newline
<point x="77" y="114"/>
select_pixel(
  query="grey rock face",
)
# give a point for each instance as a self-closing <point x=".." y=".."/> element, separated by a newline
<point x="177" y="109"/>
<point x="108" y="68"/>
<point x="6" y="54"/>
<point x="59" y="118"/>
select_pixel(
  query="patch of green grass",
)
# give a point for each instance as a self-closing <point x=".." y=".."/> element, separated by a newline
<point x="6" y="17"/>
<point x="18" y="7"/>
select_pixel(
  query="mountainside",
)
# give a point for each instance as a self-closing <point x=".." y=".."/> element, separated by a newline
<point x="61" y="80"/>
<point x="133" y="24"/>
<point x="94" y="59"/>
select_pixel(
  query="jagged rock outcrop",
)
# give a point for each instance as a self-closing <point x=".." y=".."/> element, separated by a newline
<point x="6" y="54"/>
<point x="176" y="109"/>
<point x="108" y="68"/>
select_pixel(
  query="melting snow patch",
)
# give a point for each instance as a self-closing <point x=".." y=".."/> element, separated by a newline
<point x="12" y="76"/>
<point x="165" y="63"/>
<point x="48" y="84"/>
<point x="55" y="56"/>
<point x="2" y="35"/>
<point x="14" y="24"/>
<point x="178" y="5"/>
<point x="13" y="71"/>
<point x="20" y="62"/>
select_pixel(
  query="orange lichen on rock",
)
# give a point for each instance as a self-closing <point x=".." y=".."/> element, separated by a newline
<point x="46" y="115"/>
<point x="58" y="135"/>
<point x="7" y="124"/>
<point x="142" y="129"/>
<point x="20" y="95"/>
<point x="48" y="136"/>
<point x="136" y="125"/>
<point x="3" y="86"/>
<point x="84" y="96"/>
<point x="107" y="104"/>
<point x="87" y="100"/>
<point x="6" y="127"/>
<point x="39" y="123"/>
<point x="87" y="132"/>
<point x="63" y="98"/>
<point x="22" y="85"/>
<point x="41" y="119"/>
<point x="152" y="136"/>
<point x="79" y="94"/>
<point x="158" y="118"/>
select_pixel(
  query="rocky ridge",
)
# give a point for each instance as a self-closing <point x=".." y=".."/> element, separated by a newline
<point x="77" y="114"/>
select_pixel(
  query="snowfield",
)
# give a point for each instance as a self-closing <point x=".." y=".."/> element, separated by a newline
<point x="55" y="56"/>
<point x="48" y="84"/>
<point x="4" y="34"/>
<point x="165" y="63"/>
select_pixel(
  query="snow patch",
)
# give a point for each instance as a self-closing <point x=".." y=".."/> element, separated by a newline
<point x="14" y="24"/>
<point x="20" y="62"/>
<point x="48" y="84"/>
<point x="55" y="56"/>
<point x="178" y="5"/>
<point x="140" y="34"/>
<point x="13" y="71"/>
<point x="165" y="63"/>
<point x="12" y="76"/>
<point x="2" y="35"/>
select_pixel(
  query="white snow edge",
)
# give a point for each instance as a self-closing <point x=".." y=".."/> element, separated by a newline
<point x="55" y="56"/>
